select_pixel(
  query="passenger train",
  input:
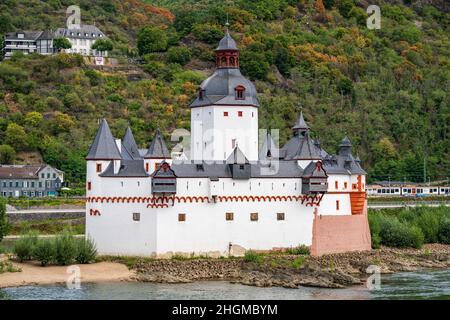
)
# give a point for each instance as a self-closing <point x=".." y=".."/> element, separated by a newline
<point x="407" y="190"/>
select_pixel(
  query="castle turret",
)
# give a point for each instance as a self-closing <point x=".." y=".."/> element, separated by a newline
<point x="345" y="148"/>
<point x="225" y="112"/>
<point x="156" y="153"/>
<point x="102" y="153"/>
<point x="130" y="149"/>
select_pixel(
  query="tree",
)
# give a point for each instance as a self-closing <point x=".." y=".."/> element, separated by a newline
<point x="33" y="119"/>
<point x="7" y="154"/>
<point x="151" y="40"/>
<point x="15" y="136"/>
<point x="102" y="45"/>
<point x="61" y="43"/>
<point x="254" y="65"/>
<point x="180" y="55"/>
<point x="4" y="223"/>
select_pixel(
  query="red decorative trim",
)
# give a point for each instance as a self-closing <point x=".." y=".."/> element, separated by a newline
<point x="163" y="201"/>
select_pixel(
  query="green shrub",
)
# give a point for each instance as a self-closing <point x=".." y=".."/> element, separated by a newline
<point x="66" y="249"/>
<point x="301" y="249"/>
<point x="298" y="262"/>
<point x="393" y="233"/>
<point x="252" y="256"/>
<point x="44" y="251"/>
<point x="24" y="246"/>
<point x="444" y="231"/>
<point x="7" y="266"/>
<point x="86" y="251"/>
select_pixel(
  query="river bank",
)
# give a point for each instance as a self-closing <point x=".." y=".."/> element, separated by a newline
<point x="290" y="271"/>
<point x="270" y="270"/>
<point x="33" y="274"/>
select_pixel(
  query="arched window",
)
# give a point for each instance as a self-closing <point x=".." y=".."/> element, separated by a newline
<point x="232" y="62"/>
<point x="223" y="62"/>
<point x="240" y="90"/>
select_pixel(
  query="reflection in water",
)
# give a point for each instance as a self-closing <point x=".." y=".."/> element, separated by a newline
<point x="414" y="285"/>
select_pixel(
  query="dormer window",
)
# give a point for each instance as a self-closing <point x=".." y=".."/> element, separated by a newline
<point x="201" y="94"/>
<point x="240" y="92"/>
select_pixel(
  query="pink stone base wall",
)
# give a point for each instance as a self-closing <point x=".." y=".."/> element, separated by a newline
<point x="334" y="234"/>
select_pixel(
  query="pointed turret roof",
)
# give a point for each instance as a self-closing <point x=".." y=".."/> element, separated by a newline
<point x="158" y="148"/>
<point x="301" y="124"/>
<point x="345" y="142"/>
<point x="268" y="149"/>
<point x="104" y="146"/>
<point x="227" y="43"/>
<point x="237" y="157"/>
<point x="129" y="145"/>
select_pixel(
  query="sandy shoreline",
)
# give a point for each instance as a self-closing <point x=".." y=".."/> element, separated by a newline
<point x="33" y="274"/>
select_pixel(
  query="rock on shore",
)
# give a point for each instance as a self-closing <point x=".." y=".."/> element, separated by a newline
<point x="290" y="271"/>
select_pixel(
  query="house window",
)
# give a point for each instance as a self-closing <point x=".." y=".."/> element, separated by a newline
<point x="280" y="216"/>
<point x="337" y="205"/>
<point x="254" y="216"/>
<point x="229" y="216"/>
<point x="182" y="217"/>
<point x="136" y="216"/>
<point x="336" y="185"/>
<point x="239" y="113"/>
<point x="225" y="113"/>
<point x="89" y="185"/>
<point x="54" y="176"/>
<point x="99" y="167"/>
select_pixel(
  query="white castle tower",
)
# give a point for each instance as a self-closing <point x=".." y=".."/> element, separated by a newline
<point x="225" y="112"/>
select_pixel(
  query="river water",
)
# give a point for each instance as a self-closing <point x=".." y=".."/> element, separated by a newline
<point x="409" y="285"/>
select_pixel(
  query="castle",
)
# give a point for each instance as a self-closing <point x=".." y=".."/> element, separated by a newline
<point x="230" y="195"/>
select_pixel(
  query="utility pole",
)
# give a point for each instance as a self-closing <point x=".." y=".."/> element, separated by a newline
<point x="424" y="169"/>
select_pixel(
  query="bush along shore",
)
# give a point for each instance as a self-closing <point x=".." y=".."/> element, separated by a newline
<point x="63" y="249"/>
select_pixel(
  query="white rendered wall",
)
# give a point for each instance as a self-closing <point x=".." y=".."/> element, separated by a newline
<point x="212" y="133"/>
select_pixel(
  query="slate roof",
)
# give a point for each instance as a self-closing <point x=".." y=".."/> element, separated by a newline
<point x="237" y="157"/>
<point x="128" y="168"/>
<point x="20" y="171"/>
<point x="221" y="169"/>
<point x="227" y="43"/>
<point x="104" y="146"/>
<point x="86" y="28"/>
<point x="219" y="89"/>
<point x="129" y="147"/>
<point x="300" y="147"/>
<point x="301" y="124"/>
<point x="28" y="35"/>
<point x="158" y="148"/>
<point x="268" y="150"/>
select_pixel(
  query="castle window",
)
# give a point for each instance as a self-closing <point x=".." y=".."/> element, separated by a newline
<point x="337" y="204"/>
<point x="336" y="185"/>
<point x="280" y="216"/>
<point x="254" y="216"/>
<point x="147" y="167"/>
<point x="239" y="113"/>
<point x="136" y="216"/>
<point x="182" y="217"/>
<point x="345" y="185"/>
<point x="89" y="185"/>
<point x="225" y="113"/>
<point x="99" y="167"/>
<point x="201" y="94"/>
<point x="240" y="92"/>
<point x="229" y="216"/>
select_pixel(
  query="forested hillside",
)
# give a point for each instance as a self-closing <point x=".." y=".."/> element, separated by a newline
<point x="387" y="89"/>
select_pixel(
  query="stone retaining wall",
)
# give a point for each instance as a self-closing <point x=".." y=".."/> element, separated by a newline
<point x="39" y="216"/>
